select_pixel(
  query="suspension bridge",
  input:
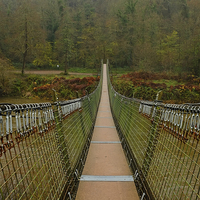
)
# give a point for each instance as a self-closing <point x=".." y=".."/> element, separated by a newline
<point x="101" y="146"/>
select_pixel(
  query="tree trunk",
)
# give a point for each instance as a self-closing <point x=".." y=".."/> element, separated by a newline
<point x="104" y="52"/>
<point x="66" y="63"/>
<point x="25" y="47"/>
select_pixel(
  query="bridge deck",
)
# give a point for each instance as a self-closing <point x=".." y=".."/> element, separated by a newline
<point x="106" y="174"/>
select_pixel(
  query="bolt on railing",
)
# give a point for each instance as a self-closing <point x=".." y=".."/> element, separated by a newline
<point x="161" y="142"/>
<point x="43" y="147"/>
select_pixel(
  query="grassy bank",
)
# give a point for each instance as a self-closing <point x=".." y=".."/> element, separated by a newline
<point x="40" y="86"/>
<point x="143" y="85"/>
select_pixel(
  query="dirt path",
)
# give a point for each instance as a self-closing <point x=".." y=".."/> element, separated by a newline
<point x="56" y="72"/>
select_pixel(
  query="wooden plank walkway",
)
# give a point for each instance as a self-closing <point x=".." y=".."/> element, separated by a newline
<point x="106" y="175"/>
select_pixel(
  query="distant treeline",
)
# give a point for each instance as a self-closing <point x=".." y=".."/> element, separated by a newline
<point x="152" y="35"/>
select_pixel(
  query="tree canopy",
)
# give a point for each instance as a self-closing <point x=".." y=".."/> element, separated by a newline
<point x="151" y="35"/>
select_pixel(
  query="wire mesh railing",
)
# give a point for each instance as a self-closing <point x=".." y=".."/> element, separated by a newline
<point x="161" y="142"/>
<point x="44" y="146"/>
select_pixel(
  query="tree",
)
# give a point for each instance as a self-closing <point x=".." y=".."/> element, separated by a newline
<point x="25" y="31"/>
<point x="168" y="51"/>
<point x="43" y="55"/>
<point x="65" y="45"/>
<point x="51" y="12"/>
<point x="6" y="74"/>
<point x="126" y="30"/>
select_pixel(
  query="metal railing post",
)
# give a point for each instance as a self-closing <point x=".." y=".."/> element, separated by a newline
<point x="153" y="140"/>
<point x="60" y="137"/>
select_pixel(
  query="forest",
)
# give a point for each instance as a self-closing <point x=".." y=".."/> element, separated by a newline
<point x="150" y="35"/>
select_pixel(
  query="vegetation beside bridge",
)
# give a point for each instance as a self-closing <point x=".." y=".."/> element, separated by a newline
<point x="143" y="85"/>
<point x="40" y="86"/>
